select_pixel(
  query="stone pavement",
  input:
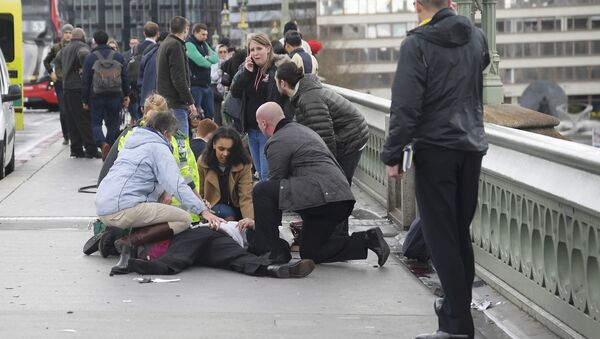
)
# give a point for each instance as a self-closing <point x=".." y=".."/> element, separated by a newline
<point x="50" y="289"/>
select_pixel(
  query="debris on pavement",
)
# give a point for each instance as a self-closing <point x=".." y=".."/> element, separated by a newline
<point x="155" y="280"/>
<point x="482" y="306"/>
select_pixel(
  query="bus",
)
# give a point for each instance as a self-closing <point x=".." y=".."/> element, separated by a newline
<point x="41" y="28"/>
<point x="11" y="43"/>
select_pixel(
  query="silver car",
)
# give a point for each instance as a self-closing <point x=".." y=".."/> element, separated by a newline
<point x="9" y="94"/>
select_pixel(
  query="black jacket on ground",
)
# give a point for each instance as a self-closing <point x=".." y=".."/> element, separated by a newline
<point x="173" y="73"/>
<point x="437" y="90"/>
<point x="333" y="117"/>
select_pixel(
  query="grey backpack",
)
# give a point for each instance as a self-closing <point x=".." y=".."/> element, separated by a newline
<point x="107" y="74"/>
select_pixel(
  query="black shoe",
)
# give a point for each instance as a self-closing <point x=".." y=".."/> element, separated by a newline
<point x="77" y="154"/>
<point x="299" y="269"/>
<point x="148" y="267"/>
<point x="106" y="246"/>
<point x="121" y="267"/>
<point x="377" y="244"/>
<point x="442" y="335"/>
<point x="91" y="245"/>
<point x="65" y="141"/>
<point x="93" y="154"/>
<point x="437" y="305"/>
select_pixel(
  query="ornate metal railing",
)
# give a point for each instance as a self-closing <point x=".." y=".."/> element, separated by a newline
<point x="536" y="232"/>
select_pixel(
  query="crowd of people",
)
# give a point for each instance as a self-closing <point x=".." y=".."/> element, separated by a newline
<point x="223" y="140"/>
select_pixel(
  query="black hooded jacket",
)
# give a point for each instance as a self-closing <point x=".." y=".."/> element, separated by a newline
<point x="437" y="90"/>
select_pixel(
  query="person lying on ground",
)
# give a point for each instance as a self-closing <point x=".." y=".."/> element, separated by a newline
<point x="144" y="174"/>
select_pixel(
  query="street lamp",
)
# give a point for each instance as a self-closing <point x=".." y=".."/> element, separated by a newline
<point x="225" y="23"/>
<point x="243" y="25"/>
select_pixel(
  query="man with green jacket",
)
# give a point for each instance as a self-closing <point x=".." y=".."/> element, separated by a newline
<point x="201" y="57"/>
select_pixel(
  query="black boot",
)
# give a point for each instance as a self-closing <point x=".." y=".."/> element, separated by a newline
<point x="144" y="235"/>
<point x="376" y="243"/>
<point x="106" y="245"/>
<point x="299" y="269"/>
<point x="148" y="267"/>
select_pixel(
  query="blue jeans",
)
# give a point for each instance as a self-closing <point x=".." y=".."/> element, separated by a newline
<point x="256" y="143"/>
<point x="182" y="116"/>
<point x="204" y="98"/>
<point x="226" y="211"/>
<point x="105" y="108"/>
<point x="134" y="110"/>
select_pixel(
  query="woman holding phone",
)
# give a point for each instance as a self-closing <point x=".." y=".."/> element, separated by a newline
<point x="254" y="84"/>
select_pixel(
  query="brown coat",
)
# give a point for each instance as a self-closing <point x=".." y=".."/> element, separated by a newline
<point x="240" y="186"/>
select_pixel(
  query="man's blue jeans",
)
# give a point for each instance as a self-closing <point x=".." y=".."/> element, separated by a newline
<point x="182" y="116"/>
<point x="227" y="211"/>
<point x="105" y="108"/>
<point x="204" y="98"/>
<point x="256" y="143"/>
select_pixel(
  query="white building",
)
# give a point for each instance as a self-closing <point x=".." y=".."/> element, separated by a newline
<point x="556" y="40"/>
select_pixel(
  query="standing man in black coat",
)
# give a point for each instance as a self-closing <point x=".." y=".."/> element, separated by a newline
<point x="173" y="73"/>
<point x="304" y="177"/>
<point x="437" y="104"/>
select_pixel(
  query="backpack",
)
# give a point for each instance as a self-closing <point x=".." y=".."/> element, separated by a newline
<point x="107" y="74"/>
<point x="133" y="71"/>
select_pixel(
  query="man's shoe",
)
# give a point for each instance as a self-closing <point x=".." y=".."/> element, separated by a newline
<point x="105" y="150"/>
<point x="442" y="335"/>
<point x="77" y="154"/>
<point x="91" y="245"/>
<point x="299" y="269"/>
<point x="93" y="154"/>
<point x="65" y="141"/>
<point x="106" y="245"/>
<point x="376" y="243"/>
<point x="148" y="267"/>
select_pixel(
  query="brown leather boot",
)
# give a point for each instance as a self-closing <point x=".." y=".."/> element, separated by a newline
<point x="144" y="235"/>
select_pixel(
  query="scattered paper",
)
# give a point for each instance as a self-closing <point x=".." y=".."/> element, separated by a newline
<point x="68" y="330"/>
<point x="484" y="305"/>
<point x="127" y="300"/>
<point x="154" y="280"/>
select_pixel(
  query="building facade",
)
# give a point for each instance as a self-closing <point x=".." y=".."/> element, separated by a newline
<point x="537" y="40"/>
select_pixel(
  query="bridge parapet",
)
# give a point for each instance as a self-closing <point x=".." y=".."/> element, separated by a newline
<point x="536" y="231"/>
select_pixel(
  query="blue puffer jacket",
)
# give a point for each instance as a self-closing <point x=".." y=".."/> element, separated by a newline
<point x="144" y="169"/>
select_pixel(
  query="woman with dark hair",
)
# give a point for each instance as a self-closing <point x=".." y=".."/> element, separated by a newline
<point x="254" y="84"/>
<point x="226" y="177"/>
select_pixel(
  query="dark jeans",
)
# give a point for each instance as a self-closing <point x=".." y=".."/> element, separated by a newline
<point x="80" y="127"/>
<point x="316" y="243"/>
<point x="227" y="211"/>
<point x="203" y="98"/>
<point x="447" y="186"/>
<point x="204" y="247"/>
<point x="105" y="108"/>
<point x="64" y="121"/>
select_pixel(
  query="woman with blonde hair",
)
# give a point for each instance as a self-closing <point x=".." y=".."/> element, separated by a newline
<point x="254" y="84"/>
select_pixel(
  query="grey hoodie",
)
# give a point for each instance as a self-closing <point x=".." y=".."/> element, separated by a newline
<point x="144" y="170"/>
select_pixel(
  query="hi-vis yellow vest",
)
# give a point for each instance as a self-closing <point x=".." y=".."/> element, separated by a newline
<point x="188" y="167"/>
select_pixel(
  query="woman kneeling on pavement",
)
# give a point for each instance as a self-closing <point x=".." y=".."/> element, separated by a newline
<point x="226" y="177"/>
<point x="144" y="175"/>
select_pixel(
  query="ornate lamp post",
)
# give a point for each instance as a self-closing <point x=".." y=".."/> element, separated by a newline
<point x="225" y="23"/>
<point x="243" y="25"/>
<point x="285" y="12"/>
<point x="493" y="91"/>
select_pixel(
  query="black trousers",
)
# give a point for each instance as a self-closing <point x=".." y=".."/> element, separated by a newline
<point x="447" y="186"/>
<point x="349" y="163"/>
<point x="80" y="127"/>
<point x="64" y="121"/>
<point x="204" y="247"/>
<point x="316" y="242"/>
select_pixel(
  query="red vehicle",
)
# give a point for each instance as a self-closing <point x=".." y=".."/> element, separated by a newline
<point x="40" y="31"/>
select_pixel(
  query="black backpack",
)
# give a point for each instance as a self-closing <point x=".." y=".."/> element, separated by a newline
<point x="133" y="70"/>
<point x="107" y="74"/>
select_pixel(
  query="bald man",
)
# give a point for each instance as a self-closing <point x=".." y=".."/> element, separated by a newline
<point x="304" y="177"/>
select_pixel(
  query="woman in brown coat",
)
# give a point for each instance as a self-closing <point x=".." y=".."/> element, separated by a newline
<point x="226" y="177"/>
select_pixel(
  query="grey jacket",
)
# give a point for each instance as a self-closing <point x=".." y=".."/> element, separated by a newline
<point x="144" y="169"/>
<point x="309" y="174"/>
<point x="333" y="117"/>
<point x="71" y="61"/>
